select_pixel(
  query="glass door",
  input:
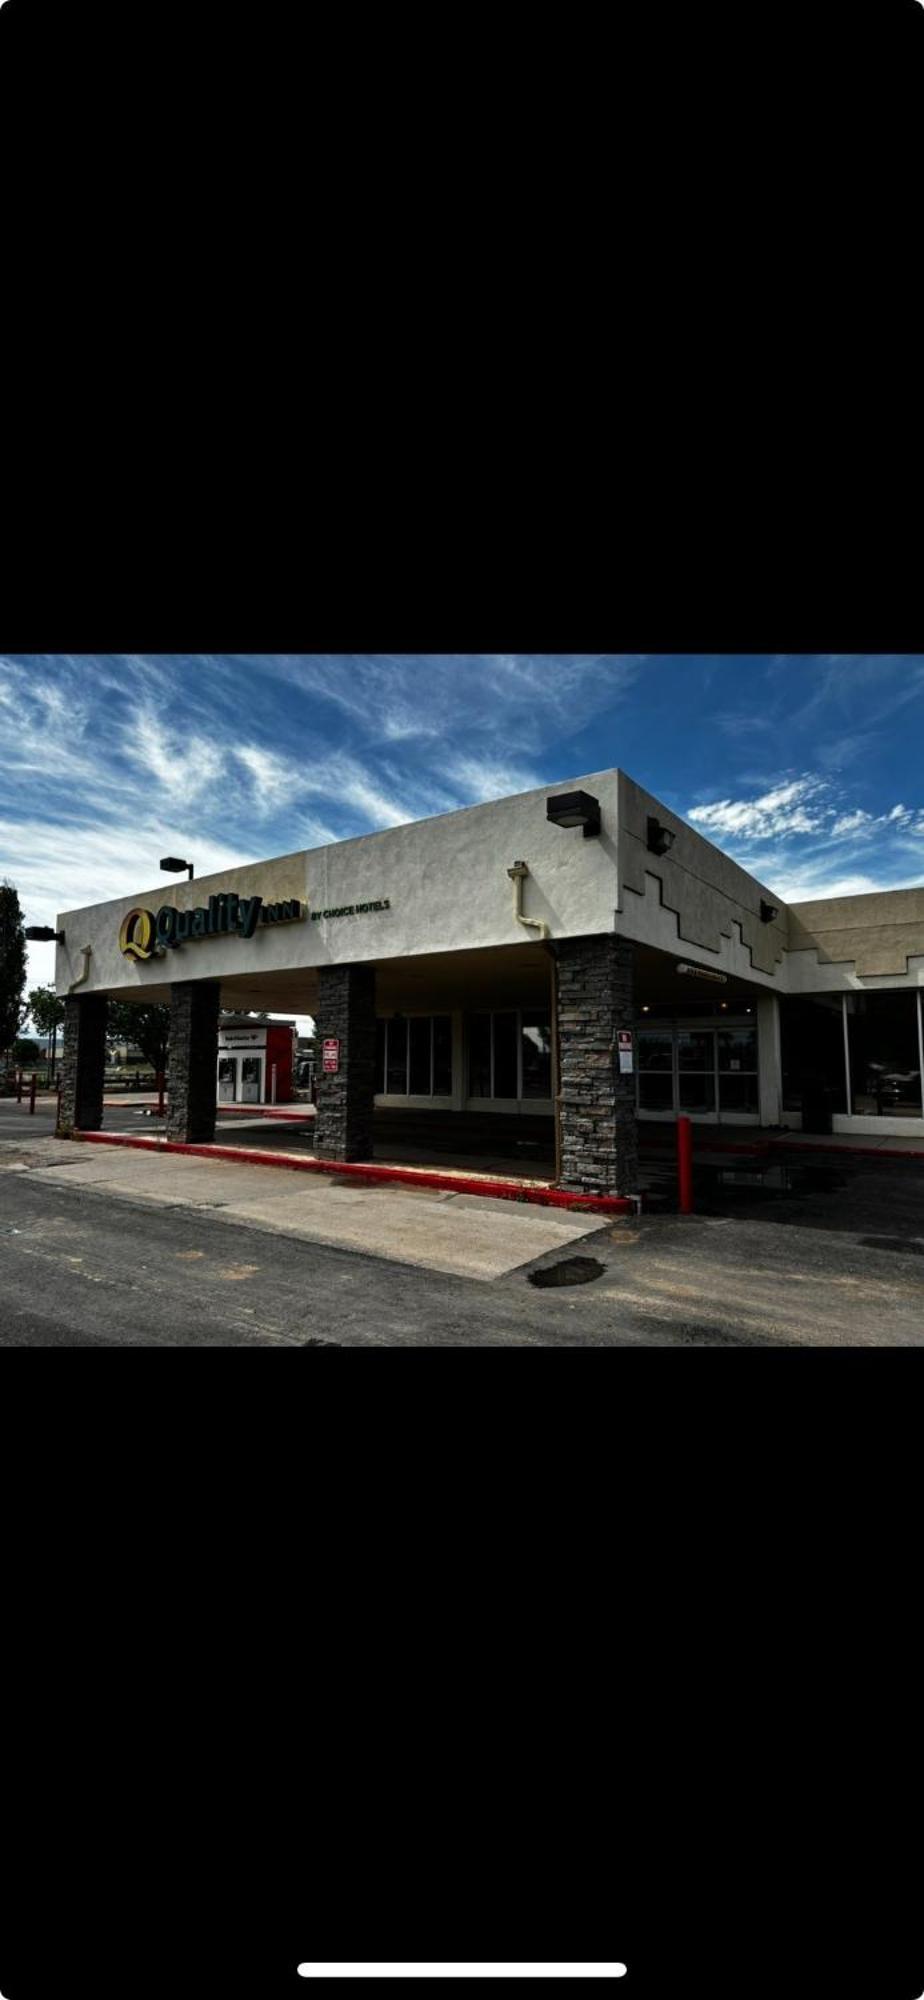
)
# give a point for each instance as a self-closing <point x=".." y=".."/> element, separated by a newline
<point x="738" y="1086"/>
<point x="656" y="1072"/>
<point x="696" y="1072"/>
<point x="707" y="1073"/>
<point x="251" y="1079"/>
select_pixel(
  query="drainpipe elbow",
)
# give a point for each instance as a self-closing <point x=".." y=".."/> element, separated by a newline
<point x="87" y="950"/>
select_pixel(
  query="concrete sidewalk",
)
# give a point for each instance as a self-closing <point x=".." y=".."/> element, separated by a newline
<point x="457" y="1234"/>
<point x="110" y="1246"/>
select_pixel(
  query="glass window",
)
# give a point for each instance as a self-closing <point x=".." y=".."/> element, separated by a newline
<point x="413" y="1055"/>
<point x="697" y="1090"/>
<point x="251" y="1075"/>
<point x="656" y="1090"/>
<point x="738" y="1093"/>
<point x="737" y="1050"/>
<point x="420" y="1031"/>
<point x="812" y="1045"/>
<point x="655" y="1051"/>
<point x="442" y="1055"/>
<point x="506" y="1081"/>
<point x="536" y="1044"/>
<point x="510" y="1054"/>
<point x="885" y="1076"/>
<point x="396" y="1077"/>
<point x="479" y="1055"/>
<point x="696" y="1051"/>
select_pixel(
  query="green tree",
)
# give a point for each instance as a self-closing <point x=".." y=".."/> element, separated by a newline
<point x="147" y="1026"/>
<point x="25" y="1052"/>
<point x="46" y="1012"/>
<point x="12" y="967"/>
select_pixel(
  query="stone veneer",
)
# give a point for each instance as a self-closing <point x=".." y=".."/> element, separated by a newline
<point x="83" y="1063"/>
<point x="346" y="1012"/>
<point x="599" y="1133"/>
<point x="192" y="1058"/>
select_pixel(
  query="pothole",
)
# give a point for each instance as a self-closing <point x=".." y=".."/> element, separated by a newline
<point x="572" y="1271"/>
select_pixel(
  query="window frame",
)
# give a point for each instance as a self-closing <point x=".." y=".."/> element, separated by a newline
<point x="407" y="1096"/>
<point x="540" y="1105"/>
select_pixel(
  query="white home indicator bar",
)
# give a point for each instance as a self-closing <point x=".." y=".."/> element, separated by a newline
<point x="501" y="1971"/>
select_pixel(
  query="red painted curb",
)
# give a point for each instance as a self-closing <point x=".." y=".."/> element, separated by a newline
<point x="264" y="1111"/>
<point x="412" y="1177"/>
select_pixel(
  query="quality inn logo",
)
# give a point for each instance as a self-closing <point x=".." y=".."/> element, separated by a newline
<point x="142" y="935"/>
<point x="136" y="934"/>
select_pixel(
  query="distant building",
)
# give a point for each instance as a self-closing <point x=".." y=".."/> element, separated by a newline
<point x="256" y="1060"/>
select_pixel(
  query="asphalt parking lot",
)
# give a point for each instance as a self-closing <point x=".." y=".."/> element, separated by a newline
<point x="116" y="1246"/>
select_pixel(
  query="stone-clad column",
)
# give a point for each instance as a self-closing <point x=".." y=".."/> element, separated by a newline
<point x="346" y="1012"/>
<point x="192" y="1060"/>
<point x="83" y="1063"/>
<point x="599" y="1133"/>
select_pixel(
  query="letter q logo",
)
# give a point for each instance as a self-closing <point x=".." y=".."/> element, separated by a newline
<point x="136" y="934"/>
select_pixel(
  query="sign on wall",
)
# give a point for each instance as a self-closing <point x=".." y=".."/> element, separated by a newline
<point x="331" y="1057"/>
<point x="350" y="910"/>
<point x="142" y="935"/>
<point x="624" y="1045"/>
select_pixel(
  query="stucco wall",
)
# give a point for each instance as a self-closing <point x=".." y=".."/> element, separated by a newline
<point x="693" y="900"/>
<point x="446" y="883"/>
<point x="872" y="936"/>
<point x="445" y="880"/>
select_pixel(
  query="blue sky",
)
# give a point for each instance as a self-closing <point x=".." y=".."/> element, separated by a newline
<point x="806" y="769"/>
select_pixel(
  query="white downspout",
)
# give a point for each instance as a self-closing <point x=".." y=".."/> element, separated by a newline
<point x="87" y="950"/>
<point x="518" y="874"/>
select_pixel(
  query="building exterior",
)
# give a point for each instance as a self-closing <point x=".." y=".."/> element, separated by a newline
<point x="256" y="1060"/>
<point x="548" y="969"/>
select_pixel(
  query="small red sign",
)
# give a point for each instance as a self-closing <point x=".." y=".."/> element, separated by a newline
<point x="624" y="1038"/>
<point x="331" y="1057"/>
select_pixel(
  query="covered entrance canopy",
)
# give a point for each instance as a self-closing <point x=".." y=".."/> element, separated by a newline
<point x="519" y="960"/>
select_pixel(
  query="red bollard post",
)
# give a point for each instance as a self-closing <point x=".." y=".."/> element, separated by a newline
<point x="685" y="1165"/>
<point x="160" y="1093"/>
<point x="32" y="1093"/>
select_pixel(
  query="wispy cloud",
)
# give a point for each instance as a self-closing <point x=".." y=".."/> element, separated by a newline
<point x="805" y="839"/>
<point x="788" y="808"/>
<point x="479" y="779"/>
<point x="107" y="762"/>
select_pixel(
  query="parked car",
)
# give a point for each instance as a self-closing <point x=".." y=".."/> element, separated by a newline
<point x="128" y="1076"/>
<point x="893" y="1085"/>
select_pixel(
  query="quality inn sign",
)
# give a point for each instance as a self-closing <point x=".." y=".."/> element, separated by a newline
<point x="143" y="935"/>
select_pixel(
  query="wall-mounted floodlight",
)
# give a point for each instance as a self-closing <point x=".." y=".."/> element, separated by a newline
<point x="575" y="809"/>
<point x="767" y="912"/>
<point x="660" y="839"/>
<point x="41" y="934"/>
<point x="172" y="866"/>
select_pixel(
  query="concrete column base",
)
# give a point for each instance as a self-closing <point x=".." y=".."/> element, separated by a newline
<point x="598" y="1126"/>
<point x="346" y="1099"/>
<point x="83" y="1063"/>
<point x="192" y="1059"/>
